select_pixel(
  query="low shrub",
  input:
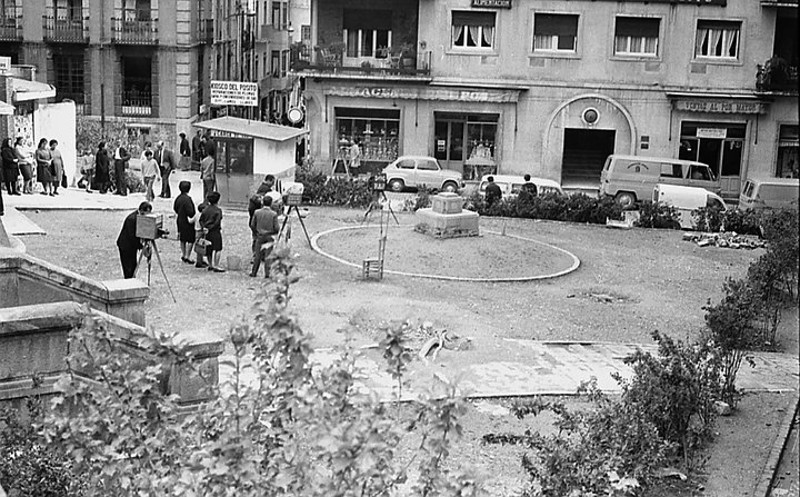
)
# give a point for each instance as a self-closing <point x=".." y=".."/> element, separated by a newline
<point x="657" y="215"/>
<point x="664" y="414"/>
<point x="675" y="391"/>
<point x="319" y="189"/>
<point x="28" y="466"/>
<point x="578" y="208"/>
<point x="709" y="219"/>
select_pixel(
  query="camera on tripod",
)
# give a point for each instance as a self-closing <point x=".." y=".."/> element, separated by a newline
<point x="150" y="226"/>
<point x="378" y="182"/>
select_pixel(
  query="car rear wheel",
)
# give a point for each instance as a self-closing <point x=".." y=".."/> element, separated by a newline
<point x="625" y="199"/>
<point x="396" y="185"/>
<point x="450" y="187"/>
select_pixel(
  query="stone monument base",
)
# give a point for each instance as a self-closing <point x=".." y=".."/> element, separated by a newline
<point x="454" y="225"/>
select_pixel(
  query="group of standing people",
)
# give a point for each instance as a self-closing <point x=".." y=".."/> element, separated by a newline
<point x="46" y="165"/>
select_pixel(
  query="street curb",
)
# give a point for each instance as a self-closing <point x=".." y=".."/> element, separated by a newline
<point x="764" y="481"/>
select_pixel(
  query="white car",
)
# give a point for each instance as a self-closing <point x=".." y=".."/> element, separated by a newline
<point x="511" y="185"/>
<point x="411" y="171"/>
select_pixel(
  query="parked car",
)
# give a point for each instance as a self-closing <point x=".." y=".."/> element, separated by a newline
<point x="411" y="171"/>
<point x="511" y="185"/>
<point x="631" y="178"/>
<point x="686" y="199"/>
<point x="774" y="193"/>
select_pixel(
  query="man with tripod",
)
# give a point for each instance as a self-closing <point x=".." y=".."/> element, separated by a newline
<point x="128" y="243"/>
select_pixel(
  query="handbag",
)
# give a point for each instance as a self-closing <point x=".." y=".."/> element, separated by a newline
<point x="63" y="180"/>
<point x="200" y="246"/>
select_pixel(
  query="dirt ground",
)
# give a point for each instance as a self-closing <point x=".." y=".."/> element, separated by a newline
<point x="629" y="283"/>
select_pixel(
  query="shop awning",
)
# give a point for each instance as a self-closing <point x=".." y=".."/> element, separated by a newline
<point x="6" y="109"/>
<point x="24" y="90"/>
<point x="254" y="129"/>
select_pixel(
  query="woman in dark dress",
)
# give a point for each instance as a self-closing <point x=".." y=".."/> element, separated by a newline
<point x="184" y="208"/>
<point x="102" y="166"/>
<point x="10" y="167"/>
<point x="211" y="221"/>
<point x="44" y="173"/>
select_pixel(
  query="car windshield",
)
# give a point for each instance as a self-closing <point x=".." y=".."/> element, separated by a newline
<point x="427" y="165"/>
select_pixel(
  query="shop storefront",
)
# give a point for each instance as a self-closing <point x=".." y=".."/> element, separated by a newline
<point x="717" y="132"/>
<point x="464" y="129"/>
<point x="466" y="142"/>
<point x="788" y="147"/>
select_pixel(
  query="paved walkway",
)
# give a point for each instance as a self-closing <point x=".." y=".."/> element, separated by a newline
<point x="16" y="223"/>
<point x="542" y="368"/>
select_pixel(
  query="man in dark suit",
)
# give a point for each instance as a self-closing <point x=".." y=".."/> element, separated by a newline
<point x="128" y="243"/>
<point x="121" y="158"/>
<point x="167" y="163"/>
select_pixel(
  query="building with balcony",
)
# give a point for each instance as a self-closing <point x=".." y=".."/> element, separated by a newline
<point x="254" y="42"/>
<point x="552" y="87"/>
<point x="137" y="64"/>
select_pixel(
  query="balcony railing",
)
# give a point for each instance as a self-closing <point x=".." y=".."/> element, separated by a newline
<point x="323" y="60"/>
<point x="777" y="75"/>
<point x="205" y="33"/>
<point x="11" y="23"/>
<point x="137" y="103"/>
<point x="66" y="25"/>
<point x="134" y="27"/>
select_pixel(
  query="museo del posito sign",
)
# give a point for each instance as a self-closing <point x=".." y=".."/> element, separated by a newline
<point x="234" y="93"/>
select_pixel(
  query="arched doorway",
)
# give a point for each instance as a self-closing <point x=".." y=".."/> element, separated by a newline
<point x="580" y="134"/>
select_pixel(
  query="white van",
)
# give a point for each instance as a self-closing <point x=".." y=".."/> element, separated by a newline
<point x="631" y="178"/>
<point x="686" y="199"/>
<point x="774" y="193"/>
<point x="510" y="185"/>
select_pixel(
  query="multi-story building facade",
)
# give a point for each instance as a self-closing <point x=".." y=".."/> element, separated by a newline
<point x="551" y="87"/>
<point x="253" y="42"/>
<point x="141" y="62"/>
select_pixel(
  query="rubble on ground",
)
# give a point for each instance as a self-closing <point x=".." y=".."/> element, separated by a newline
<point x="727" y="239"/>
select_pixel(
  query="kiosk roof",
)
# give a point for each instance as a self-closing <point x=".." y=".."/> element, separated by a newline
<point x="255" y="129"/>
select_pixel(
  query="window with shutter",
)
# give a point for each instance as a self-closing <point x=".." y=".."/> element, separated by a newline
<point x="636" y="36"/>
<point x="555" y="32"/>
<point x="473" y="30"/>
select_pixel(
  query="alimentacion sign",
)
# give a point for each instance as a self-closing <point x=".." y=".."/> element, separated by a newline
<point x="234" y="93"/>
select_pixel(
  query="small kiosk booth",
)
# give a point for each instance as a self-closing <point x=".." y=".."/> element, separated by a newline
<point x="247" y="151"/>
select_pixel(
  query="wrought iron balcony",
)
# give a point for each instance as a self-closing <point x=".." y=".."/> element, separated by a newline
<point x="134" y="27"/>
<point x="11" y="23"/>
<point x="777" y="75"/>
<point x="380" y="65"/>
<point x="66" y="25"/>
<point x="137" y="103"/>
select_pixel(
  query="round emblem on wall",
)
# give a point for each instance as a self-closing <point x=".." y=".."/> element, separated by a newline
<point x="295" y="115"/>
<point x="590" y="116"/>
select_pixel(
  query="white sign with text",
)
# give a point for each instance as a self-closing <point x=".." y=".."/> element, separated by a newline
<point x="234" y="93"/>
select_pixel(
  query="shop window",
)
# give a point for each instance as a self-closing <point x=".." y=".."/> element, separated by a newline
<point x="717" y="39"/>
<point x="376" y="131"/>
<point x="473" y="29"/>
<point x="636" y="36"/>
<point x="367" y="32"/>
<point x="788" y="146"/>
<point x="555" y="32"/>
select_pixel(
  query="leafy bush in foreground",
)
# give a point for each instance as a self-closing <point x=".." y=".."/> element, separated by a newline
<point x="664" y="414"/>
<point x="275" y="428"/>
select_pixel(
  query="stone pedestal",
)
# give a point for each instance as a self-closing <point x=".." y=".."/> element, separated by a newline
<point x="446" y="219"/>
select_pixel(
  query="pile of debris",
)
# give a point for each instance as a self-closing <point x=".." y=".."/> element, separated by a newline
<point x="727" y="239"/>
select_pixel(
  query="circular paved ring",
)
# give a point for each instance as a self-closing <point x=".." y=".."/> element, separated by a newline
<point x="575" y="261"/>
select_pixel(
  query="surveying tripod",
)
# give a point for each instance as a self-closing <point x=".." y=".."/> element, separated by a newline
<point x="149" y="248"/>
<point x="378" y="199"/>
